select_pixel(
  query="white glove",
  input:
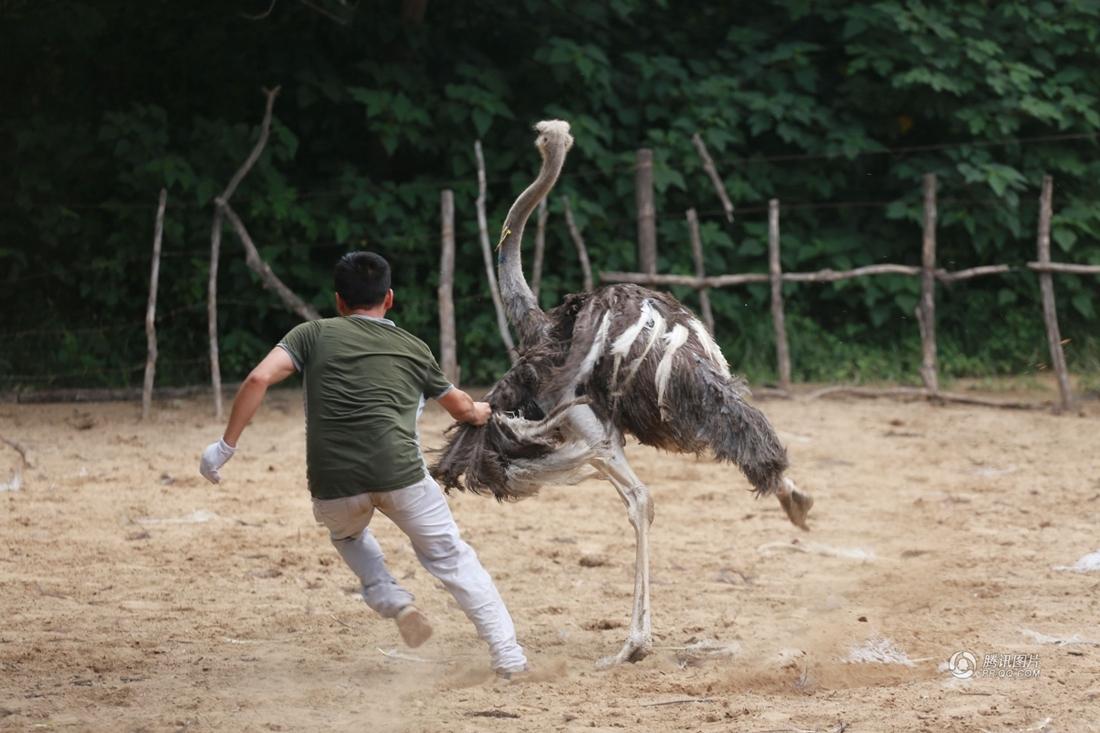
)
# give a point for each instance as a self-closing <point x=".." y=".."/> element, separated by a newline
<point x="213" y="458"/>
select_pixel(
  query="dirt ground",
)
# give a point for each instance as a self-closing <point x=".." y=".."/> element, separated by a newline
<point x="137" y="597"/>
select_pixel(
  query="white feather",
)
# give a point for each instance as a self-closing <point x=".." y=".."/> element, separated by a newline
<point x="595" y="351"/>
<point x="568" y="464"/>
<point x="710" y="348"/>
<point x="620" y="348"/>
<point x="673" y="341"/>
<point x="657" y="330"/>
<point x="626" y="339"/>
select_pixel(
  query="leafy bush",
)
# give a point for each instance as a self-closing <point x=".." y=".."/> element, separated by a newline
<point x="835" y="108"/>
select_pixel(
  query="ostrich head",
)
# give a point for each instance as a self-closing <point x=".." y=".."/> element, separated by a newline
<point x="553" y="134"/>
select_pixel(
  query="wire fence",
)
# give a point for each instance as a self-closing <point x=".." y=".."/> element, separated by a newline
<point x="109" y="331"/>
<point x="434" y="185"/>
<point x="925" y="312"/>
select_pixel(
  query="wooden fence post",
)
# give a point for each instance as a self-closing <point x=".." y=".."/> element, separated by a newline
<point x="447" y="346"/>
<point x="926" y="311"/>
<point x="151" y="312"/>
<point x="212" y="310"/>
<point x="775" y="276"/>
<point x="487" y="256"/>
<point x="578" y="242"/>
<point x="540" y="249"/>
<point x="647" y="212"/>
<point x="700" y="269"/>
<point x="1046" y="286"/>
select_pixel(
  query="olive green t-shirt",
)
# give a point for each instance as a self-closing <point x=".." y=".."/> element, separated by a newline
<point x="365" y="381"/>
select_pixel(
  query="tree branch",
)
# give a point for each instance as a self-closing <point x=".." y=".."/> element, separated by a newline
<point x="257" y="149"/>
<point x="487" y="255"/>
<point x="708" y="166"/>
<point x="270" y="279"/>
<point x="578" y="242"/>
<point x="262" y="15"/>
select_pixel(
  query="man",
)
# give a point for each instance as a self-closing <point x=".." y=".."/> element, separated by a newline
<point x="365" y="383"/>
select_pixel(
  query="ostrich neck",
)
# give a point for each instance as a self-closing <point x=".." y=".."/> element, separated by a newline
<point x="519" y="302"/>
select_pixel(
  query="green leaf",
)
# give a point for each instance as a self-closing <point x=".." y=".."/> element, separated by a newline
<point x="482" y="121"/>
<point x="1082" y="303"/>
<point x="1064" y="237"/>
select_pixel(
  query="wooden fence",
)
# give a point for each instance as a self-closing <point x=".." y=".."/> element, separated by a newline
<point x="925" y="311"/>
<point x="928" y="273"/>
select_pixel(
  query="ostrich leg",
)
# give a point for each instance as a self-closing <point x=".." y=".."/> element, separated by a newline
<point x="612" y="464"/>
<point x="639" y="509"/>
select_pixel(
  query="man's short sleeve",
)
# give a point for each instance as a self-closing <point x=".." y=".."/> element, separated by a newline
<point x="299" y="342"/>
<point x="436" y="383"/>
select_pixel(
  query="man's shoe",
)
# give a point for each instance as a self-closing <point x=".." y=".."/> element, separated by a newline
<point x="520" y="674"/>
<point x="414" y="626"/>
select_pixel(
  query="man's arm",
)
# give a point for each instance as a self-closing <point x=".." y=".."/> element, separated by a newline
<point x="463" y="408"/>
<point x="275" y="367"/>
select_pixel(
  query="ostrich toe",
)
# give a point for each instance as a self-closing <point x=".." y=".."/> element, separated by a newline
<point x="796" y="503"/>
<point x="634" y="650"/>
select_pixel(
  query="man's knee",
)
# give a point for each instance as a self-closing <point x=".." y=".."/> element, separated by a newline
<point x="448" y="546"/>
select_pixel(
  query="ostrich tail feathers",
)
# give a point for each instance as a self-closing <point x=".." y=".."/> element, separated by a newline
<point x="510" y="457"/>
<point x="712" y="406"/>
<point x="482" y="456"/>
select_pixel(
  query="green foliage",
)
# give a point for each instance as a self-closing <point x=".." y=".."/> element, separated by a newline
<point x="840" y="105"/>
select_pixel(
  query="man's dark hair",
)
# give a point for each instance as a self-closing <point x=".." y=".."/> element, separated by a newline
<point x="362" y="279"/>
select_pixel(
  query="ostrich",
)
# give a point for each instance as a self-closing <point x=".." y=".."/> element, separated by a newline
<point x="618" y="360"/>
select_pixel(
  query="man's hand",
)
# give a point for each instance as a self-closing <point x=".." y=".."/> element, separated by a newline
<point x="463" y="408"/>
<point x="479" y="414"/>
<point x="213" y="458"/>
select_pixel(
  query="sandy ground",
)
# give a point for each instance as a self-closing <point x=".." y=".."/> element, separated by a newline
<point x="138" y="597"/>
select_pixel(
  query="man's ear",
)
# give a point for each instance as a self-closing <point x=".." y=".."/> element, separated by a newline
<point x="388" y="302"/>
<point x="341" y="306"/>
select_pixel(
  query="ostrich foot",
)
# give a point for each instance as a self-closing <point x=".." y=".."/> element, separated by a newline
<point x="796" y="503"/>
<point x="634" y="650"/>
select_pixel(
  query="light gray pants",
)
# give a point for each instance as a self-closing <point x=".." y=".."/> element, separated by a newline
<point x="421" y="512"/>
